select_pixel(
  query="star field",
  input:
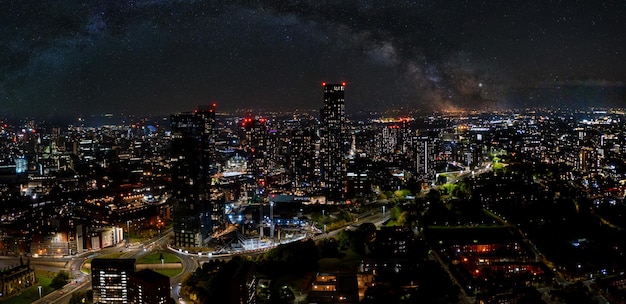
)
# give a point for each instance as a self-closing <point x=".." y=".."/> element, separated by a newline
<point x="85" y="57"/>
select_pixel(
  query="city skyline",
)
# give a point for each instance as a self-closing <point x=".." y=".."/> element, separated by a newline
<point x="485" y="205"/>
<point x="160" y="57"/>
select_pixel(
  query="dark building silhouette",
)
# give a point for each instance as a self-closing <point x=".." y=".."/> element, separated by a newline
<point x="149" y="287"/>
<point x="359" y="176"/>
<point x="243" y="285"/>
<point x="334" y="145"/>
<point x="301" y="156"/>
<point x="192" y="156"/>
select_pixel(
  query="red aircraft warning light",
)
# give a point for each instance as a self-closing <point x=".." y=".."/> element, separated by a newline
<point x="343" y="84"/>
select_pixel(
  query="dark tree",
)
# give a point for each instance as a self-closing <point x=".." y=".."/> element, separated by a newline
<point x="82" y="297"/>
<point x="294" y="258"/>
<point x="329" y="248"/>
<point x="60" y="279"/>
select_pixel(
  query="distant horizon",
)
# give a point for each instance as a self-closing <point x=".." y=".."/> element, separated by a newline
<point x="573" y="95"/>
<point x="100" y="119"/>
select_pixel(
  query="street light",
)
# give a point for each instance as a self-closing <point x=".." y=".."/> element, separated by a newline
<point x="40" y="289"/>
<point x="383" y="211"/>
<point x="272" y="220"/>
<point x="127" y="230"/>
<point x="261" y="221"/>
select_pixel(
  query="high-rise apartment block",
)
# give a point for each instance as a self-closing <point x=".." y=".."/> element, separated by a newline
<point x="335" y="145"/>
<point x="192" y="156"/>
<point x="425" y="155"/>
<point x="256" y="144"/>
<point x="149" y="287"/>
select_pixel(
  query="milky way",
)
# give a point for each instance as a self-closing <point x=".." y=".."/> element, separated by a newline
<point x="152" y="57"/>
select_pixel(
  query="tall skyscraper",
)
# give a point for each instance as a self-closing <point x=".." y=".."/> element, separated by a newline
<point x="192" y="164"/>
<point x="256" y="145"/>
<point x="110" y="280"/>
<point x="335" y="144"/>
<point x="301" y="156"/>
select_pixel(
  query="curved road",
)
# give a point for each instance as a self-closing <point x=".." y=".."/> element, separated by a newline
<point x="82" y="282"/>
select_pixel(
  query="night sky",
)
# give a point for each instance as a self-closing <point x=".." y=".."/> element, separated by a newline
<point x="63" y="58"/>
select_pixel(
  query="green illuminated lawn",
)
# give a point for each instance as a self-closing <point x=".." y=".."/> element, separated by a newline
<point x="169" y="272"/>
<point x="350" y="260"/>
<point x="153" y="258"/>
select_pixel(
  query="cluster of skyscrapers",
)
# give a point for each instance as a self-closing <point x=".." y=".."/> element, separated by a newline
<point x="99" y="182"/>
<point x="198" y="203"/>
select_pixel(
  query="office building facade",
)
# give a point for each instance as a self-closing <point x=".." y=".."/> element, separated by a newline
<point x="110" y="280"/>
